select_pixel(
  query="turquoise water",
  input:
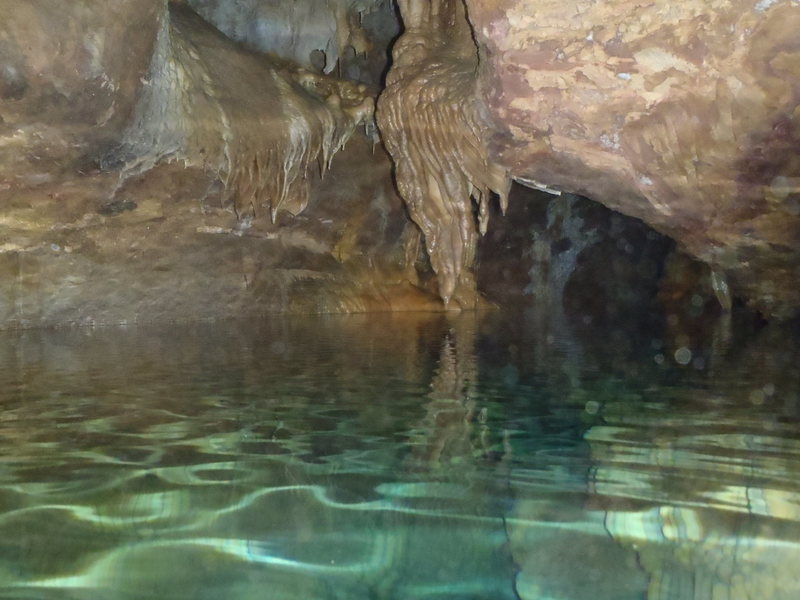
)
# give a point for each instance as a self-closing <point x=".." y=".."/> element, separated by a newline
<point x="400" y="457"/>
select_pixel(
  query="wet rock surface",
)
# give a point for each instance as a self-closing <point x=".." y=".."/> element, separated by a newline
<point x="684" y="116"/>
<point x="136" y="124"/>
<point x="433" y="126"/>
<point x="260" y="125"/>
<point x="190" y="209"/>
<point x="170" y="248"/>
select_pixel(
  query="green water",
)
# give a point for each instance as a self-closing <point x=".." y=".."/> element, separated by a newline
<point x="400" y="457"/>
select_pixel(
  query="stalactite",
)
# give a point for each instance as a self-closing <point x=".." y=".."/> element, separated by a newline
<point x="434" y="128"/>
<point x="260" y="126"/>
<point x="295" y="30"/>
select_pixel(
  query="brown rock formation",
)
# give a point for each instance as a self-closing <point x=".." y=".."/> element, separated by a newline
<point x="176" y="224"/>
<point x="433" y="127"/>
<point x="64" y="83"/>
<point x="260" y="127"/>
<point x="168" y="247"/>
<point x="684" y="115"/>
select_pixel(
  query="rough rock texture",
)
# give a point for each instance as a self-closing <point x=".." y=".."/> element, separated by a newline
<point x="682" y="114"/>
<point x="65" y="84"/>
<point x="433" y="128"/>
<point x="169" y="248"/>
<point x="260" y="127"/>
<point x="349" y="35"/>
<point x="189" y="215"/>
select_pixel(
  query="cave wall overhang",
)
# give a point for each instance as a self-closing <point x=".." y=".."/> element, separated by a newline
<point x="684" y="115"/>
<point x="159" y="180"/>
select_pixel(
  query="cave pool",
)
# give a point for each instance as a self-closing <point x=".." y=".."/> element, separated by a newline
<point x="482" y="456"/>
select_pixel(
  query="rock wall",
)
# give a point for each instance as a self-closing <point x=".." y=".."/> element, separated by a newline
<point x="261" y="127"/>
<point x="433" y="126"/>
<point x="65" y="83"/>
<point x="684" y="115"/>
<point x="350" y="36"/>
<point x="186" y="212"/>
<point x="170" y="249"/>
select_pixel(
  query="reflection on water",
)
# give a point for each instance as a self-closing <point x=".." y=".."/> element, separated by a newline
<point x="408" y="457"/>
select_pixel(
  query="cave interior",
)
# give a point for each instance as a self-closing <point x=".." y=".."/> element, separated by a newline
<point x="208" y="159"/>
<point x="400" y="299"/>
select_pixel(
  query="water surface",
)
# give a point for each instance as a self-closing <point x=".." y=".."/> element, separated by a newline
<point x="399" y="457"/>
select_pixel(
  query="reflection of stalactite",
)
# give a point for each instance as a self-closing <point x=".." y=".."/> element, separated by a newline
<point x="449" y="429"/>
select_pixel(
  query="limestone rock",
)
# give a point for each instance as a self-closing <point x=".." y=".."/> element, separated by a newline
<point x="170" y="249"/>
<point x="434" y="127"/>
<point x="684" y="115"/>
<point x="70" y="73"/>
<point x="188" y="213"/>
<point x="351" y="36"/>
